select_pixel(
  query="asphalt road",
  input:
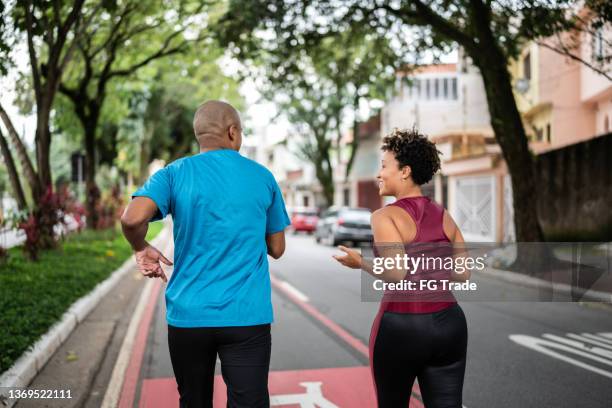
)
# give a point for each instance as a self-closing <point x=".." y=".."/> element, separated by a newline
<point x="520" y="354"/>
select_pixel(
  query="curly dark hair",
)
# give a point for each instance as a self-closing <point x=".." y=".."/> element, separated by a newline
<point x="413" y="149"/>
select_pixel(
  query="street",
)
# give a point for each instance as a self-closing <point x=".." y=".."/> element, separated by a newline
<point x="519" y="354"/>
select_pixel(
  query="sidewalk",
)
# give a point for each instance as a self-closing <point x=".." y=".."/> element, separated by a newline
<point x="84" y="363"/>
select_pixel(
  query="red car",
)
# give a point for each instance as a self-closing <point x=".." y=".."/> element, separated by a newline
<point x="304" y="219"/>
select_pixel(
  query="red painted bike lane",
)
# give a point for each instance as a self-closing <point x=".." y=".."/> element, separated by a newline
<point x="325" y="387"/>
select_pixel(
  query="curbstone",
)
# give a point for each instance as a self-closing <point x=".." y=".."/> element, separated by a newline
<point x="524" y="280"/>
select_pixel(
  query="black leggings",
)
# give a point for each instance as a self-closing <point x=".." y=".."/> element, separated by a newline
<point x="429" y="346"/>
<point x="245" y="360"/>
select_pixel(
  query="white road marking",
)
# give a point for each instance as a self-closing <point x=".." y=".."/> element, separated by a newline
<point x="581" y="346"/>
<point x="294" y="291"/>
<point x="589" y="340"/>
<point x="598" y="337"/>
<point x="312" y="398"/>
<point x="557" y="347"/>
<point x="606" y="335"/>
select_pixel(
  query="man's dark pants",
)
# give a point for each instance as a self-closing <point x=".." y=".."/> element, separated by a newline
<point x="244" y="352"/>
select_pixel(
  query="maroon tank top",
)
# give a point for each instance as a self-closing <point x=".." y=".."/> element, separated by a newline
<point x="428" y="217"/>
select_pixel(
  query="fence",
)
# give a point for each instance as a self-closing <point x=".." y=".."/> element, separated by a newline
<point x="575" y="190"/>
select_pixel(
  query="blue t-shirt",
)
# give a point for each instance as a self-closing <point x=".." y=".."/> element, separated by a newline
<point x="222" y="205"/>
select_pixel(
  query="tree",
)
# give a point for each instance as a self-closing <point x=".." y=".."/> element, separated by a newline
<point x="51" y="30"/>
<point x="118" y="42"/>
<point x="313" y="106"/>
<point x="179" y="86"/>
<point x="490" y="32"/>
<point x="311" y="77"/>
<point x="159" y="118"/>
<point x="362" y="68"/>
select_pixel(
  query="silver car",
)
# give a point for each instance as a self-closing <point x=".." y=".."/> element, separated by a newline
<point x="344" y="224"/>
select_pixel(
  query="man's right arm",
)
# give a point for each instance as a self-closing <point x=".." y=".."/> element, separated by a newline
<point x="276" y="222"/>
<point x="276" y="244"/>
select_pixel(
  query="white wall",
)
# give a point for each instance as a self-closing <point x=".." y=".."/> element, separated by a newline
<point x="594" y="84"/>
<point x="437" y="116"/>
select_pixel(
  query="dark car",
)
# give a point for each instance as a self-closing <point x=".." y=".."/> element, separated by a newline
<point x="304" y="219"/>
<point x="339" y="224"/>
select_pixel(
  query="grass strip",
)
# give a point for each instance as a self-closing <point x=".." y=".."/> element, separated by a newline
<point x="35" y="295"/>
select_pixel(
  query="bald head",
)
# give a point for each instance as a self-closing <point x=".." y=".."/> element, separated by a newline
<point x="217" y="124"/>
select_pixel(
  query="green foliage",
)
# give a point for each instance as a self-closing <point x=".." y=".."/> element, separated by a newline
<point x="34" y="295"/>
<point x="160" y="120"/>
<point x="318" y="81"/>
<point x="5" y="40"/>
<point x="139" y="74"/>
<point x="180" y="86"/>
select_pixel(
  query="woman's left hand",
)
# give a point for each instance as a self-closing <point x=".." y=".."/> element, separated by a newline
<point x="352" y="259"/>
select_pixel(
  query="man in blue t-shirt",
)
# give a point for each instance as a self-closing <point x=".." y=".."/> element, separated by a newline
<point x="228" y="215"/>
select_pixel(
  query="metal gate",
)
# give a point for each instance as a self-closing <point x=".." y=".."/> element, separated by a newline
<point x="474" y="207"/>
<point x="509" y="234"/>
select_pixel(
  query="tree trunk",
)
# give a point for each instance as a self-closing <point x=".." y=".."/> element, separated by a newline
<point x="531" y="258"/>
<point x="355" y="141"/>
<point x="26" y="163"/>
<point x="506" y="122"/>
<point x="13" y="175"/>
<point x="145" y="156"/>
<point x="43" y="145"/>
<point x="92" y="190"/>
<point x="510" y="135"/>
<point x="325" y="174"/>
<point x="326" y="181"/>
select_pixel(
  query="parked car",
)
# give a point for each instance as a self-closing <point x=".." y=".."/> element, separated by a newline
<point x="304" y="219"/>
<point x="338" y="224"/>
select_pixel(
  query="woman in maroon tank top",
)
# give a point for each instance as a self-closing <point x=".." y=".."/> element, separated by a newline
<point x="416" y="334"/>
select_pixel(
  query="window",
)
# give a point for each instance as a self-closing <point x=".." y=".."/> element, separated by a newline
<point x="427" y="92"/>
<point x="436" y="88"/>
<point x="539" y="136"/>
<point x="454" y="87"/>
<point x="445" y="89"/>
<point x="346" y="197"/>
<point x="527" y="66"/>
<point x="598" y="45"/>
<point x="417" y="86"/>
<point x="548" y="132"/>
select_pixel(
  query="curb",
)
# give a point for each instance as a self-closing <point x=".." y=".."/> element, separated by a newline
<point x="32" y="361"/>
<point x="563" y="288"/>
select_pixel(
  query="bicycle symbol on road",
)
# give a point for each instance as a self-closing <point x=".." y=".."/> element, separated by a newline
<point x="312" y="398"/>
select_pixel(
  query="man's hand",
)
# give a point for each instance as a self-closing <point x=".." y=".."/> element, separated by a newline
<point x="148" y="260"/>
<point x="352" y="259"/>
